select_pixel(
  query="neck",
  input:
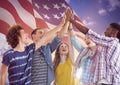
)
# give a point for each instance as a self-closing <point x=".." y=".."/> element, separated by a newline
<point x="20" y="47"/>
<point x="63" y="58"/>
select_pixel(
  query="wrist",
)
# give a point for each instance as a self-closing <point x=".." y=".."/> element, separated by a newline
<point x="70" y="29"/>
<point x="72" y="19"/>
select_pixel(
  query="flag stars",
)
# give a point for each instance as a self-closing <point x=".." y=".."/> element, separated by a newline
<point x="62" y="14"/>
<point x="56" y="16"/>
<point x="56" y="6"/>
<point x="46" y="7"/>
<point x="46" y="16"/>
<point x="63" y="5"/>
<point x="37" y="5"/>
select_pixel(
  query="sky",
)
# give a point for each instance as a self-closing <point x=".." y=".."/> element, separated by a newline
<point x="97" y="14"/>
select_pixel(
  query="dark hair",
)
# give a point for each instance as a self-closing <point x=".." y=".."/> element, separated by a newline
<point x="34" y="31"/>
<point x="13" y="34"/>
<point x="117" y="27"/>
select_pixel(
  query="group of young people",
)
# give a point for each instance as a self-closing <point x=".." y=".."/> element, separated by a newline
<point x="29" y="62"/>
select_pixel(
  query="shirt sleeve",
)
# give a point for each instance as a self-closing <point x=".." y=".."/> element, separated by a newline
<point x="6" y="59"/>
<point x="55" y="43"/>
<point x="100" y="39"/>
<point x="30" y="47"/>
<point x="75" y="41"/>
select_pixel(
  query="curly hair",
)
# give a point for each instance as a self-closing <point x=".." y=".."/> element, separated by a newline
<point x="13" y="34"/>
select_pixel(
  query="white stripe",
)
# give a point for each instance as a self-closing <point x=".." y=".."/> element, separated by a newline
<point x="27" y="82"/>
<point x="18" y="66"/>
<point x="37" y="15"/>
<point x="22" y="57"/>
<point x="51" y="26"/>
<point x="18" y="58"/>
<point x="6" y="17"/>
<point x="21" y="79"/>
<point x="16" y="74"/>
<point x="23" y="14"/>
<point x="28" y="68"/>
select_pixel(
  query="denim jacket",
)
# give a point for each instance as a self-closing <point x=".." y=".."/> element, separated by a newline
<point x="47" y="51"/>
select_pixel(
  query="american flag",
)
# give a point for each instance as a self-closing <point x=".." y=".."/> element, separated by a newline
<point x="31" y="14"/>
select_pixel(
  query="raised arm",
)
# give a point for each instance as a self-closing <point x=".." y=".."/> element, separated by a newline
<point x="97" y="38"/>
<point x="75" y="41"/>
<point x="50" y="34"/>
<point x="70" y="17"/>
<point x="60" y="35"/>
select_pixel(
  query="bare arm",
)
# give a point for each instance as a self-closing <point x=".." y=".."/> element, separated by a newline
<point x="79" y="26"/>
<point x="50" y="34"/>
<point x="63" y="30"/>
<point x="4" y="71"/>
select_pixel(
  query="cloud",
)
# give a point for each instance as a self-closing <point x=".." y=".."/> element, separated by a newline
<point x="3" y="44"/>
<point x="102" y="12"/>
<point x="89" y="22"/>
<point x="119" y="22"/>
<point x="113" y="4"/>
<point x="68" y="1"/>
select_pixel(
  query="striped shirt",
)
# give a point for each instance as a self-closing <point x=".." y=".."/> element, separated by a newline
<point x="19" y="65"/>
<point x="39" y="69"/>
<point x="108" y="66"/>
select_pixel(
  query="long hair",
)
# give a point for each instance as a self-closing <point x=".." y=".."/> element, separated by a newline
<point x="57" y="56"/>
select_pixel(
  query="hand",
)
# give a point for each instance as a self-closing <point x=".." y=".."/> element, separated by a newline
<point x="63" y="20"/>
<point x="70" y="27"/>
<point x="69" y="14"/>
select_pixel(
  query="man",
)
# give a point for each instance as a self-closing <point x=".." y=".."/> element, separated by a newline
<point x="42" y="67"/>
<point x="18" y="60"/>
<point x="107" y="70"/>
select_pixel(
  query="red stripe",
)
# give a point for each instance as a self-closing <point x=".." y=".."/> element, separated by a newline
<point x="27" y="6"/>
<point x="4" y="27"/>
<point x="77" y="18"/>
<point x="41" y="23"/>
<point x="9" y="7"/>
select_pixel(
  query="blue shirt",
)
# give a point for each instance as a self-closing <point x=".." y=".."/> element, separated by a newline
<point x="85" y="63"/>
<point x="47" y="51"/>
<point x="19" y="65"/>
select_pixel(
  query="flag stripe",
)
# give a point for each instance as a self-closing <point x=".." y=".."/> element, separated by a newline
<point x="4" y="27"/>
<point x="27" y="6"/>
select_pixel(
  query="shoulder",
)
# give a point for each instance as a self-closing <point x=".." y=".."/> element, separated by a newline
<point x="69" y="60"/>
<point x="30" y="47"/>
<point x="9" y="52"/>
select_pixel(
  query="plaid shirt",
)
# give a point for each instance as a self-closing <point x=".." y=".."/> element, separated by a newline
<point x="108" y="61"/>
<point x="83" y="62"/>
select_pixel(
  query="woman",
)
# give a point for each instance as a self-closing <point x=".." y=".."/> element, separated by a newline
<point x="85" y="59"/>
<point x="63" y="66"/>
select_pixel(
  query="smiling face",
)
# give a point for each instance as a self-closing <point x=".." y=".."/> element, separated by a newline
<point x="63" y="49"/>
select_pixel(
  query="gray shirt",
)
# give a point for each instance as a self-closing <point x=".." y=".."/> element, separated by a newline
<point x="39" y="69"/>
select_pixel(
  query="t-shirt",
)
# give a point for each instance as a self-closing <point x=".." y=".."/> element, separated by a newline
<point x="64" y="73"/>
<point x="39" y="69"/>
<point x="19" y="65"/>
